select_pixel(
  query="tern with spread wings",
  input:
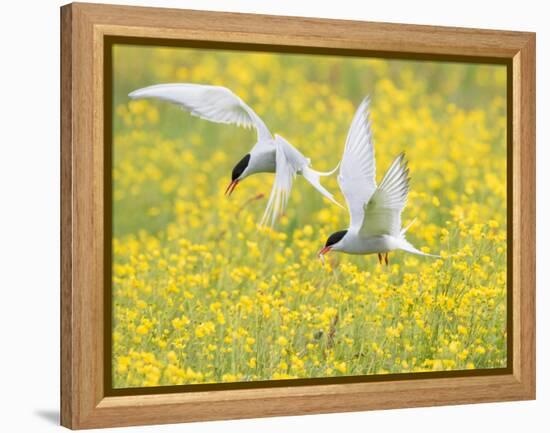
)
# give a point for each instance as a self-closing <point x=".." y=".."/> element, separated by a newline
<point x="270" y="154"/>
<point x="374" y="210"/>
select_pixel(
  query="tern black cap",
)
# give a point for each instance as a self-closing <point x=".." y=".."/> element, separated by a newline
<point x="240" y="167"/>
<point x="335" y="238"/>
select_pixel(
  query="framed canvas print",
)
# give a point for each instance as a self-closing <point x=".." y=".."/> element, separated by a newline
<point x="269" y="216"/>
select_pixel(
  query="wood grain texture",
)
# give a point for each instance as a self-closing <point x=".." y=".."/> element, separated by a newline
<point x="84" y="26"/>
<point x="524" y="170"/>
<point x="308" y="32"/>
<point x="67" y="386"/>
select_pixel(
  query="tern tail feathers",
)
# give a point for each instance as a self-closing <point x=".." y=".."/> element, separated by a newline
<point x="404" y="230"/>
<point x="328" y="173"/>
<point x="405" y="245"/>
<point x="313" y="177"/>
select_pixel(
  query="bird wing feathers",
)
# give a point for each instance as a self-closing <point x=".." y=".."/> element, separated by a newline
<point x="214" y="103"/>
<point x="357" y="177"/>
<point x="382" y="213"/>
<point x="288" y="162"/>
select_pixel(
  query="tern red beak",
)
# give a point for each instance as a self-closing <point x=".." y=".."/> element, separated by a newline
<point x="231" y="187"/>
<point x="324" y="250"/>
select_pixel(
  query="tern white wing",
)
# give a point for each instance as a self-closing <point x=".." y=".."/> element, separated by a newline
<point x="214" y="103"/>
<point x="358" y="167"/>
<point x="382" y="213"/>
<point x="289" y="162"/>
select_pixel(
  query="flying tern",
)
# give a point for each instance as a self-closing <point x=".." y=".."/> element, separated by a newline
<point x="374" y="210"/>
<point x="270" y="154"/>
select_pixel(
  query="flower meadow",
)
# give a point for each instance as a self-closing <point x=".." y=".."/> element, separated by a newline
<point x="200" y="294"/>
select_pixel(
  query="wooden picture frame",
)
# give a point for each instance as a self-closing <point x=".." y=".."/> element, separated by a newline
<point x="84" y="30"/>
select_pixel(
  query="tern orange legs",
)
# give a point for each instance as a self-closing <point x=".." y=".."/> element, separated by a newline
<point x="386" y="258"/>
